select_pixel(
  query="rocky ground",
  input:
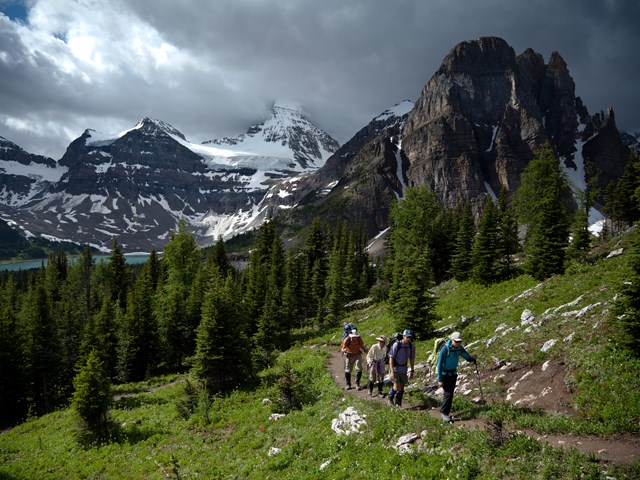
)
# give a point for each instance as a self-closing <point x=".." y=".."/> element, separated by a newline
<point x="538" y="386"/>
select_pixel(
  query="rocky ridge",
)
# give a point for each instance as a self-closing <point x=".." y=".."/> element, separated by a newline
<point x="137" y="185"/>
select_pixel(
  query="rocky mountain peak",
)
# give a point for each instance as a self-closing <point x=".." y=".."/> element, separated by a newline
<point x="286" y="133"/>
<point x="556" y="61"/>
<point x="485" y="112"/>
<point x="486" y="54"/>
<point x="152" y="126"/>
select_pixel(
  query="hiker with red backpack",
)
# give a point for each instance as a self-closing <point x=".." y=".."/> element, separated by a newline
<point x="447" y="368"/>
<point x="402" y="354"/>
<point x="352" y="349"/>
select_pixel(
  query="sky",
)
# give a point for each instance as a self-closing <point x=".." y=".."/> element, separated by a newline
<point x="214" y="68"/>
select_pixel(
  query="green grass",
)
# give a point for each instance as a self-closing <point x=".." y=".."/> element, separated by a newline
<point x="233" y="439"/>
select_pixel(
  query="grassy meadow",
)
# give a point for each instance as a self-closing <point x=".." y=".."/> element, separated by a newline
<point x="233" y="437"/>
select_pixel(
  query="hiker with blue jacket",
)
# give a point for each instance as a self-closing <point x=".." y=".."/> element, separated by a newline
<point x="448" y="370"/>
<point x="402" y="354"/>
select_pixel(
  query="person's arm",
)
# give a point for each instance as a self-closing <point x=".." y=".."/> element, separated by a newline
<point x="412" y="359"/>
<point x="392" y="360"/>
<point x="467" y="357"/>
<point x="392" y="374"/>
<point x="440" y="364"/>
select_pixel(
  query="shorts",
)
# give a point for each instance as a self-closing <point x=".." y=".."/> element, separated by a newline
<point x="401" y="378"/>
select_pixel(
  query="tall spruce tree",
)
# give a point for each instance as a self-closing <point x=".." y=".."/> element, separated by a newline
<point x="119" y="276"/>
<point x="12" y="361"/>
<point x="507" y="241"/>
<point x="138" y="335"/>
<point x="257" y="274"/>
<point x="544" y="200"/>
<point x="271" y="334"/>
<point x="414" y="226"/>
<point x="177" y="329"/>
<point x="315" y="251"/>
<point x="92" y="398"/>
<point x="294" y="294"/>
<point x="627" y="307"/>
<point x="335" y="282"/>
<point x="223" y="354"/>
<point x="45" y="375"/>
<point x="484" y="254"/>
<point x="461" y="260"/>
<point x="622" y="200"/>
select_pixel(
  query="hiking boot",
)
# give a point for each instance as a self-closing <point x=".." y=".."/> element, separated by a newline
<point x="392" y="401"/>
<point x="446" y="418"/>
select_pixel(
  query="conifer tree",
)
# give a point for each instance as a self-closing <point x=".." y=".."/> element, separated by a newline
<point x="258" y="273"/>
<point x="92" y="398"/>
<point x="138" y="338"/>
<point x="461" y="260"/>
<point x="223" y="354"/>
<point x="507" y="240"/>
<point x="271" y="334"/>
<point x="119" y="276"/>
<point x="12" y="369"/>
<point x="317" y="267"/>
<point x="154" y="269"/>
<point x="484" y="254"/>
<point x="581" y="236"/>
<point x="220" y="258"/>
<point x="622" y="202"/>
<point x="294" y="295"/>
<point x="627" y="307"/>
<point x="100" y="337"/>
<point x="176" y="327"/>
<point x="42" y="348"/>
<point x="336" y="276"/>
<point x="544" y="201"/>
<point x="414" y="223"/>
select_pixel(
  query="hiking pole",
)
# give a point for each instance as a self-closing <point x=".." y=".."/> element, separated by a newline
<point x="480" y="384"/>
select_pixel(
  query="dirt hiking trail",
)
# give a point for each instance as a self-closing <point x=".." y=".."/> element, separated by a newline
<point x="618" y="449"/>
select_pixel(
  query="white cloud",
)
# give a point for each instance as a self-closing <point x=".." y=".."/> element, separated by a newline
<point x="211" y="68"/>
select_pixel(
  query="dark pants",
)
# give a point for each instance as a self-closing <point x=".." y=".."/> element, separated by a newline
<point x="448" y="385"/>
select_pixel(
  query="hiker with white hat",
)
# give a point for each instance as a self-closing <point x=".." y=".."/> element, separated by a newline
<point x="375" y="364"/>
<point x="448" y="371"/>
<point x="352" y="349"/>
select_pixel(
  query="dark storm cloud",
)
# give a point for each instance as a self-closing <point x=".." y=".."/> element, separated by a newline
<point x="345" y="62"/>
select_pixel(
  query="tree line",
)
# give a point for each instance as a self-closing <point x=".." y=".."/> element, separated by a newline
<point x="80" y="326"/>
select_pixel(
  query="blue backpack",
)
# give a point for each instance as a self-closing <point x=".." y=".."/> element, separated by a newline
<point x="347" y="330"/>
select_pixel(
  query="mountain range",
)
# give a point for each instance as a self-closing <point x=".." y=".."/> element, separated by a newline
<point x="475" y="126"/>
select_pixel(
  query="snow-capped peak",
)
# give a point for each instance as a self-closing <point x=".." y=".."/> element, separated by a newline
<point x="286" y="134"/>
<point x="398" y="110"/>
<point x="151" y="125"/>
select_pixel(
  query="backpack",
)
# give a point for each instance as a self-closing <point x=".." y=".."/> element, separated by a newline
<point x="347" y="330"/>
<point x="392" y="339"/>
<point x="432" y="361"/>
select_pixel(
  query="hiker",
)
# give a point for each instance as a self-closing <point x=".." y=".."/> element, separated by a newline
<point x="375" y="364"/>
<point x="448" y="371"/>
<point x="402" y="353"/>
<point x="353" y="349"/>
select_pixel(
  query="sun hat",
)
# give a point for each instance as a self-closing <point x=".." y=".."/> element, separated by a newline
<point x="456" y="336"/>
<point x="381" y="338"/>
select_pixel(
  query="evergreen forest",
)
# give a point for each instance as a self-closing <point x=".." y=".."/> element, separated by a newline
<point x="71" y="331"/>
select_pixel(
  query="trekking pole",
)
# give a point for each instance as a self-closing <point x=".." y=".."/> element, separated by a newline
<point x="479" y="384"/>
